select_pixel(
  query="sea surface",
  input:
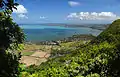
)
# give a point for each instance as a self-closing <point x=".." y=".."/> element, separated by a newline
<point x="37" y="33"/>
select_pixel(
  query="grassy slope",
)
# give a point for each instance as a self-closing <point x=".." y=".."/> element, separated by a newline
<point x="27" y="53"/>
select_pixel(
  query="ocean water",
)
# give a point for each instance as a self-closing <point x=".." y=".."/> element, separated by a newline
<point x="37" y="33"/>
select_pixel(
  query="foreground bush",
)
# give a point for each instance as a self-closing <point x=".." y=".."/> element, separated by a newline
<point x="11" y="36"/>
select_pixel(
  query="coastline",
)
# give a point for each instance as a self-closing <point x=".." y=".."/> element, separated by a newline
<point x="78" y="37"/>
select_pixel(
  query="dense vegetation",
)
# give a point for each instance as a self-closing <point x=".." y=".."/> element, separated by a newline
<point x="11" y="36"/>
<point x="98" y="58"/>
<point x="78" y="37"/>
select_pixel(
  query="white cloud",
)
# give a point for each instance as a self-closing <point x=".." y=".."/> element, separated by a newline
<point x="73" y="3"/>
<point x="93" y="16"/>
<point x="43" y="17"/>
<point x="22" y="16"/>
<point x="21" y="11"/>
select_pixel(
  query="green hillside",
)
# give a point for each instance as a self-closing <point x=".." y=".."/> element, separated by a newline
<point x="98" y="58"/>
<point x="111" y="34"/>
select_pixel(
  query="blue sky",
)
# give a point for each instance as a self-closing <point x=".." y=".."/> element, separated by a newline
<point x="67" y="11"/>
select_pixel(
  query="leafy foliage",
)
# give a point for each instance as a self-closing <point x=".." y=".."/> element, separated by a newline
<point x="7" y="6"/>
<point x="10" y="33"/>
<point x="11" y="37"/>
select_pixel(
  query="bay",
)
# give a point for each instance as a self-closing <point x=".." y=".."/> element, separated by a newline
<point x="37" y="33"/>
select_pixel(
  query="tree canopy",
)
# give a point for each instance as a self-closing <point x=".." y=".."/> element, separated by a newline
<point x="8" y="5"/>
<point x="11" y="35"/>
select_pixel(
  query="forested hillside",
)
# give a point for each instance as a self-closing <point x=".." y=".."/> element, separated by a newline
<point x="97" y="58"/>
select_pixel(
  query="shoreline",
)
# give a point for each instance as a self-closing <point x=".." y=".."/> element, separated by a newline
<point x="78" y="37"/>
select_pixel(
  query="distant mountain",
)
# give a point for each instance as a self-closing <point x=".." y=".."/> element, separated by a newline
<point x="93" y="26"/>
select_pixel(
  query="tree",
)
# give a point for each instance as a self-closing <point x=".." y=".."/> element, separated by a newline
<point x="8" y="5"/>
<point x="11" y="35"/>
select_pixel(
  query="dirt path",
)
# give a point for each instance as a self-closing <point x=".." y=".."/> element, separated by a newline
<point x="37" y="58"/>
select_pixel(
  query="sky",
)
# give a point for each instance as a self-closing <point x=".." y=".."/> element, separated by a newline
<point x="66" y="11"/>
